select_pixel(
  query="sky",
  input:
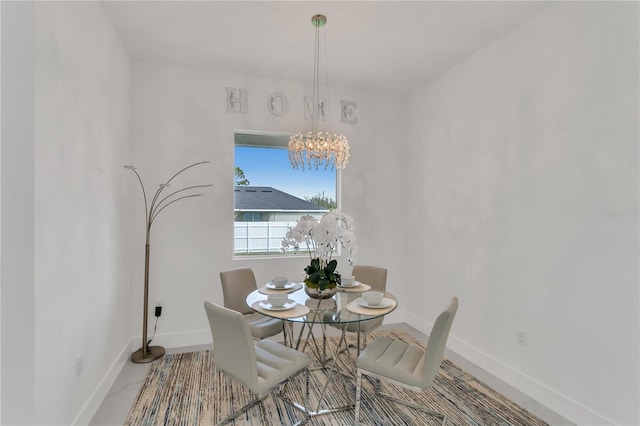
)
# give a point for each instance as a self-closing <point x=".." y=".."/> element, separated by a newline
<point x="271" y="167"/>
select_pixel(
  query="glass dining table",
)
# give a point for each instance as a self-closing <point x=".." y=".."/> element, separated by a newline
<point x="346" y="307"/>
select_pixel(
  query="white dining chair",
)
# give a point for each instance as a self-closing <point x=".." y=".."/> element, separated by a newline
<point x="376" y="277"/>
<point x="261" y="366"/>
<point x="236" y="286"/>
<point x="405" y="364"/>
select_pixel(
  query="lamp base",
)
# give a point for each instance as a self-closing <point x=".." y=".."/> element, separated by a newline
<point x="153" y="353"/>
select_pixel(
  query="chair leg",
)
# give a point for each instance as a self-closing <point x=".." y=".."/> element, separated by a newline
<point x="243" y="410"/>
<point x="409" y="404"/>
<point x="302" y="407"/>
<point x="358" y="394"/>
<point x="214" y="379"/>
<point x="307" y="416"/>
<point x="359" y="347"/>
<point x="259" y="400"/>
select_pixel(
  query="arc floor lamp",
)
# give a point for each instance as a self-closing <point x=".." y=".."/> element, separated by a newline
<point x="150" y="353"/>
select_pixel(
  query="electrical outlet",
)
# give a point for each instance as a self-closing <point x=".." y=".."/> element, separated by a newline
<point x="79" y="365"/>
<point x="521" y="337"/>
<point x="158" y="310"/>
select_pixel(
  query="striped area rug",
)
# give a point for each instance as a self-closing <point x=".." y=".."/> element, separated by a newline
<point x="179" y="390"/>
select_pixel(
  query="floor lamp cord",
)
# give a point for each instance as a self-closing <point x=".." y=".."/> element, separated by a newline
<point x="154" y="331"/>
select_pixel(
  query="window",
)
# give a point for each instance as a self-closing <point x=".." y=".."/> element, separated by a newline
<point x="252" y="217"/>
<point x="270" y="196"/>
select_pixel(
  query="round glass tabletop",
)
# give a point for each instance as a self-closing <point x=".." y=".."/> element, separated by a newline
<point x="329" y="311"/>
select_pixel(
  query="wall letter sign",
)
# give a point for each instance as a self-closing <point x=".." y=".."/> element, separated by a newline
<point x="278" y="104"/>
<point x="348" y="112"/>
<point x="237" y="100"/>
<point x="308" y="108"/>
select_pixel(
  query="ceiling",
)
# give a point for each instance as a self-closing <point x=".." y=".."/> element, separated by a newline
<point x="390" y="45"/>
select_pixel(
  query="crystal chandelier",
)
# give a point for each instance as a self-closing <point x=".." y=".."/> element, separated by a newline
<point x="315" y="148"/>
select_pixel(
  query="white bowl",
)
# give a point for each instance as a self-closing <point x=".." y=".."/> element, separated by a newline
<point x="348" y="281"/>
<point x="277" y="300"/>
<point x="373" y="298"/>
<point x="279" y="281"/>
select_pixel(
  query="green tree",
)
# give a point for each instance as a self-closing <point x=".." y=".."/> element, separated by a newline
<point x="322" y="200"/>
<point x="241" y="179"/>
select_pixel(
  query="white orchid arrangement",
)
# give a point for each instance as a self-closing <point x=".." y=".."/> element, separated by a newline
<point x="323" y="238"/>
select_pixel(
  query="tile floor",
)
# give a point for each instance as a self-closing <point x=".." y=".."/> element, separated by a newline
<point x="116" y="405"/>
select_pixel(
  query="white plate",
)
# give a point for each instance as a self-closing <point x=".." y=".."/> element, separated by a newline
<point x="287" y="286"/>
<point x="354" y="285"/>
<point x="269" y="307"/>
<point x="384" y="304"/>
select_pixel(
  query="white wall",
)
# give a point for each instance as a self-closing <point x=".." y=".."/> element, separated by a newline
<point x="179" y="117"/>
<point x="0" y="211"/>
<point x="18" y="349"/>
<point x="519" y="155"/>
<point x="82" y="113"/>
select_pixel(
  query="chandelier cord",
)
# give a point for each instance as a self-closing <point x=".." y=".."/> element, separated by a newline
<point x="326" y="71"/>
<point x="316" y="82"/>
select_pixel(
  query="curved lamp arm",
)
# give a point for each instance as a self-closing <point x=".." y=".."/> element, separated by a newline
<point x="159" y="207"/>
<point x="144" y="194"/>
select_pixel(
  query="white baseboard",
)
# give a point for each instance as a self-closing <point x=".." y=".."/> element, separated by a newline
<point x="94" y="401"/>
<point x="396" y="316"/>
<point x="176" y="340"/>
<point x="540" y="392"/>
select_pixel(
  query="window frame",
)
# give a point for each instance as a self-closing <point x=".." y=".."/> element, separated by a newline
<point x="275" y="140"/>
